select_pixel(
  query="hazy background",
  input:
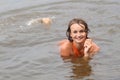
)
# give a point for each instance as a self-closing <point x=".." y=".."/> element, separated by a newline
<point x="31" y="52"/>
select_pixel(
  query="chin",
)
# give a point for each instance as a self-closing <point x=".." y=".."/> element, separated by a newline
<point x="80" y="41"/>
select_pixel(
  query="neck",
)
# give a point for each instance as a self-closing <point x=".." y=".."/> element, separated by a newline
<point x="78" y="49"/>
<point x="79" y="45"/>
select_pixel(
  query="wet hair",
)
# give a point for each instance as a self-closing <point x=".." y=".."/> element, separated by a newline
<point x="79" y="22"/>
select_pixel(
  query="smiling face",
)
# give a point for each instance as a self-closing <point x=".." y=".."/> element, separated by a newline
<point x="78" y="33"/>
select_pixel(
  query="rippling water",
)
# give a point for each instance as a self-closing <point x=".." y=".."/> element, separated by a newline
<point x="31" y="52"/>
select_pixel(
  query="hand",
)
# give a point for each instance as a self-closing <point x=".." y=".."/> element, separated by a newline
<point x="87" y="46"/>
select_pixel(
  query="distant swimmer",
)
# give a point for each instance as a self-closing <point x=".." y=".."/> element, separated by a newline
<point x="78" y="43"/>
<point x="45" y="20"/>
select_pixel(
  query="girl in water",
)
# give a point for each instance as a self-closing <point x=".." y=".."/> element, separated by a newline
<point x="78" y="43"/>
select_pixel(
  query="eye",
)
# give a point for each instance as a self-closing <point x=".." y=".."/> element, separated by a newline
<point x="82" y="31"/>
<point x="74" y="31"/>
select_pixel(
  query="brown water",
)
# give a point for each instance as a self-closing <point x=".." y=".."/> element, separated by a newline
<point x="31" y="52"/>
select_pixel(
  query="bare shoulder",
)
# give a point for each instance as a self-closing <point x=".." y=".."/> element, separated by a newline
<point x="65" y="47"/>
<point x="64" y="42"/>
<point x="94" y="48"/>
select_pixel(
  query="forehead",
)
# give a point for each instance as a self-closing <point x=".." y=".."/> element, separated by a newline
<point x="77" y="27"/>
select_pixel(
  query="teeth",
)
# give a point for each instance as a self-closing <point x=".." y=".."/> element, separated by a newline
<point x="80" y="37"/>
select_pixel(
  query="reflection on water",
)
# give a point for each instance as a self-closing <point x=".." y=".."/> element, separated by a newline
<point x="80" y="67"/>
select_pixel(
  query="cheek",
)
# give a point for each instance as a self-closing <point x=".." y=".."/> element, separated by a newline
<point x="72" y="35"/>
<point x="85" y="34"/>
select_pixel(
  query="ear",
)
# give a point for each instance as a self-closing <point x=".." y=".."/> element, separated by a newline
<point x="87" y="35"/>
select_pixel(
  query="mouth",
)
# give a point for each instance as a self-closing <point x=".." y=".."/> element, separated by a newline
<point x="79" y="38"/>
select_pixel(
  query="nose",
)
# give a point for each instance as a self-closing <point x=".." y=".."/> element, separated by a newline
<point x="79" y="34"/>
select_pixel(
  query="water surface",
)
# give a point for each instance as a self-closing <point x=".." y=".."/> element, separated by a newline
<point x="31" y="52"/>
